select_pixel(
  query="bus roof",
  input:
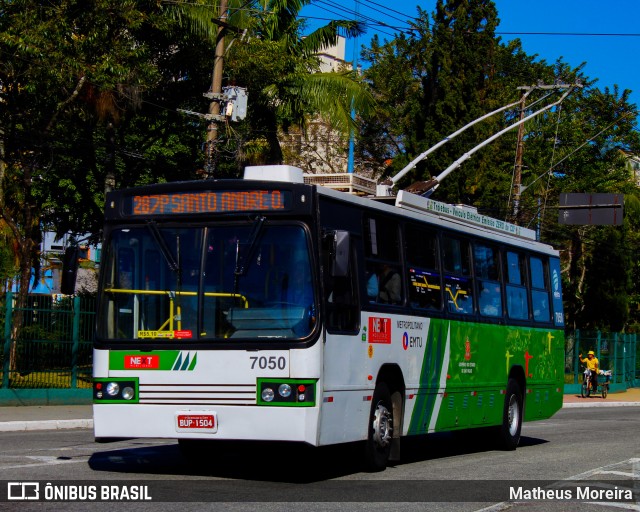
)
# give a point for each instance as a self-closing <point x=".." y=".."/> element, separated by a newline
<point x="461" y="218"/>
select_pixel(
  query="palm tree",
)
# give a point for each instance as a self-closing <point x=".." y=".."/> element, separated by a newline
<point x="280" y="69"/>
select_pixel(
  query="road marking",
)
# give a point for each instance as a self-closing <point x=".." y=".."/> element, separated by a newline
<point x="609" y="469"/>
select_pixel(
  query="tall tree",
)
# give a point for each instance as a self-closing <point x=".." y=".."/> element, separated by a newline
<point x="64" y="65"/>
<point x="280" y="70"/>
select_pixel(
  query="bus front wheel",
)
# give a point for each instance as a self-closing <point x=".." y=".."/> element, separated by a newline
<point x="509" y="433"/>
<point x="380" y="429"/>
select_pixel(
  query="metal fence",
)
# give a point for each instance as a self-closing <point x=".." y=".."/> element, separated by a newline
<point x="53" y="348"/>
<point x="617" y="352"/>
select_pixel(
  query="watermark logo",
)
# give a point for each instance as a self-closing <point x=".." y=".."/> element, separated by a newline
<point x="21" y="491"/>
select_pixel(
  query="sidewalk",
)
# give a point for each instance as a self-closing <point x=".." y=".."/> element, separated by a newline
<point x="54" y="417"/>
<point x="630" y="397"/>
<point x="45" y="417"/>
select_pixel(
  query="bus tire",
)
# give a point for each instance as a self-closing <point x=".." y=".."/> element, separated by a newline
<point x="509" y="433"/>
<point x="379" y="429"/>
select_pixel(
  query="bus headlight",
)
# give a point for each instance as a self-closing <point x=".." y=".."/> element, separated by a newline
<point x="284" y="390"/>
<point x="290" y="392"/>
<point x="113" y="388"/>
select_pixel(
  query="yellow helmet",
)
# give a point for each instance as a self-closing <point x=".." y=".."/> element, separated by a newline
<point x="591" y="353"/>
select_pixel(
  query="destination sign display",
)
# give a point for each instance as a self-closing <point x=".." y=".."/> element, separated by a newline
<point x="219" y="201"/>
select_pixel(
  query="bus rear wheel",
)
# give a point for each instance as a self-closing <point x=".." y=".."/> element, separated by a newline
<point x="509" y="433"/>
<point x="380" y="429"/>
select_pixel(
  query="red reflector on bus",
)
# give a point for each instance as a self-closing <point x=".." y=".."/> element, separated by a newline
<point x="328" y="399"/>
<point x="367" y="398"/>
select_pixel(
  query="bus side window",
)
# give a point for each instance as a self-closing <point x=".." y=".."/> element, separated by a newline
<point x="341" y="296"/>
<point x="487" y="273"/>
<point x="458" y="285"/>
<point x="382" y="253"/>
<point x="539" y="290"/>
<point x="516" y="291"/>
<point x="425" y="289"/>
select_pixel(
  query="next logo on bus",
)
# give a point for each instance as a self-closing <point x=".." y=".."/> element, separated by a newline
<point x="379" y="330"/>
<point x="137" y="362"/>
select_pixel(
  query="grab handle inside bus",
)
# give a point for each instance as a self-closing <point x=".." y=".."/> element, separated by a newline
<point x="340" y="251"/>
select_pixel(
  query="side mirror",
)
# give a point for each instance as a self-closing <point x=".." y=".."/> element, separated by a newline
<point x="69" y="271"/>
<point x="340" y="250"/>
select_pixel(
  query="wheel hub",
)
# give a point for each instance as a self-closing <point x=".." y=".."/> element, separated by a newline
<point x="382" y="426"/>
<point x="513" y="415"/>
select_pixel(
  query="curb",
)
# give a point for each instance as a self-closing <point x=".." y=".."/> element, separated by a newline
<point x="601" y="404"/>
<point x="20" y="426"/>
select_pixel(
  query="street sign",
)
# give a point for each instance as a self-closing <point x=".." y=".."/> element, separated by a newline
<point x="591" y="209"/>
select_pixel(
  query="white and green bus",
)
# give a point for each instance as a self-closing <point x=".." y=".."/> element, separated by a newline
<point x="270" y="309"/>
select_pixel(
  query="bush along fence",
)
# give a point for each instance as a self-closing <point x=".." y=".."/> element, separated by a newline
<point x="48" y="359"/>
<point x="617" y="352"/>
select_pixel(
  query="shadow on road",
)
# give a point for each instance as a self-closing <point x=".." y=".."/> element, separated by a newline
<point x="279" y="462"/>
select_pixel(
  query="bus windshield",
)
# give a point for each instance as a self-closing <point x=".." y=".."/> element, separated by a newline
<point x="239" y="281"/>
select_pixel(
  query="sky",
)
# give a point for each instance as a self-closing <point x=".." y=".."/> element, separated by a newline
<point x="605" y="35"/>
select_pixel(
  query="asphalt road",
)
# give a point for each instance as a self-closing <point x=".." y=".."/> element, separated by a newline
<point x="588" y="445"/>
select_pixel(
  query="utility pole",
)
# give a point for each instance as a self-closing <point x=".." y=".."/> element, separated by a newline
<point x="215" y="95"/>
<point x="517" y="173"/>
<point x="234" y="98"/>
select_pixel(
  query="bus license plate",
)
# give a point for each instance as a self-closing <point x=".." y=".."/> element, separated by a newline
<point x="196" y="422"/>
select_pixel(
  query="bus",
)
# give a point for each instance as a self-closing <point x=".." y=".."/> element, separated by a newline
<point x="268" y="309"/>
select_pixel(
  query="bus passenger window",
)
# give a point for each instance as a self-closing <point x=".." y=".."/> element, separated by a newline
<point x="456" y="256"/>
<point x="458" y="287"/>
<point x="372" y="286"/>
<point x="459" y="296"/>
<point x="341" y="296"/>
<point x="382" y="246"/>
<point x="487" y="272"/>
<point x="490" y="301"/>
<point x="389" y="285"/>
<point x="539" y="290"/>
<point x="516" y="292"/>
<point x="425" y="289"/>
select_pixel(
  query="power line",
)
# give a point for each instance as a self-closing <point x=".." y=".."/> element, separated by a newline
<point x="577" y="34"/>
<point x="352" y="12"/>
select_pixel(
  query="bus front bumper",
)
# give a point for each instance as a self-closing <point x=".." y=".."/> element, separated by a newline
<point x="258" y="423"/>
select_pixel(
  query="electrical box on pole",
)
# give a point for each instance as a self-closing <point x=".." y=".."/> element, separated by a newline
<point x="236" y="103"/>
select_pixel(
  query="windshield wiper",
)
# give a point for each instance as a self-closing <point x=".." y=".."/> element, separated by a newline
<point x="243" y="257"/>
<point x="164" y="249"/>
